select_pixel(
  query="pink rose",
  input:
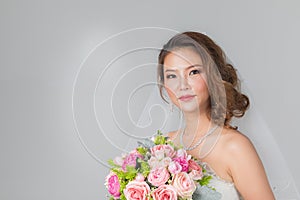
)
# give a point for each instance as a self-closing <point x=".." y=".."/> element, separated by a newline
<point x="195" y="170"/>
<point x="137" y="190"/>
<point x="184" y="185"/>
<point x="164" y="192"/>
<point x="130" y="160"/>
<point x="113" y="185"/>
<point x="158" y="176"/>
<point x="163" y="150"/>
<point x="194" y="166"/>
<point x="183" y="162"/>
<point x="174" y="167"/>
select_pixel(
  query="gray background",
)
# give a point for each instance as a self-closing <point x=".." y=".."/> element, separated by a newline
<point x="43" y="43"/>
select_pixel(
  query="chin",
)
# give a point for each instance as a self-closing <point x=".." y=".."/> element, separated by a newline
<point x="189" y="109"/>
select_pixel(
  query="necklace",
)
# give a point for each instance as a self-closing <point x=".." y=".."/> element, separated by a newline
<point x="200" y="140"/>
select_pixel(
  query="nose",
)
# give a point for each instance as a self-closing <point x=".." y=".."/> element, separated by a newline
<point x="184" y="84"/>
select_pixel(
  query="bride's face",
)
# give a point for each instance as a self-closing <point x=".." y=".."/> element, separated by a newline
<point x="185" y="80"/>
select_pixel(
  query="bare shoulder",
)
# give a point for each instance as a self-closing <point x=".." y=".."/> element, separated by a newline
<point x="237" y="150"/>
<point x="235" y="159"/>
<point x="245" y="166"/>
<point x="235" y="142"/>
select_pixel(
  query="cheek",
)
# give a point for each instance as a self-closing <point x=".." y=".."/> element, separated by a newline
<point x="170" y="84"/>
<point x="199" y="86"/>
<point x="170" y="87"/>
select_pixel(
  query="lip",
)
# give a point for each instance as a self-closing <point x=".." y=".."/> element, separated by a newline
<point x="186" y="97"/>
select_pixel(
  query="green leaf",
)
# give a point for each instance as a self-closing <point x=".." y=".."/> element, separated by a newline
<point x="122" y="197"/>
<point x="142" y="150"/>
<point x="205" y="180"/>
<point x="160" y="139"/>
<point x="130" y="173"/>
<point x="144" y="168"/>
<point x="112" y="163"/>
<point x="159" y="132"/>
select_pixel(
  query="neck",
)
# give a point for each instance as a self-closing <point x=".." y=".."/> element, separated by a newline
<point x="196" y="123"/>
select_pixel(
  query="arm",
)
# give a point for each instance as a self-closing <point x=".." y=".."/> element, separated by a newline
<point x="247" y="170"/>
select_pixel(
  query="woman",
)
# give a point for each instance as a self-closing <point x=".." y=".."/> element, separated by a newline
<point x="198" y="80"/>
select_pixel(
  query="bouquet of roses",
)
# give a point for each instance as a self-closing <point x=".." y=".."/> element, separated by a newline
<point x="157" y="170"/>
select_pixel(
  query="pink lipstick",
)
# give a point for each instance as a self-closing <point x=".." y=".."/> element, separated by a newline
<point x="186" y="97"/>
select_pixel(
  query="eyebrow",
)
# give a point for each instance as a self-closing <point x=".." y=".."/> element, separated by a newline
<point x="189" y="67"/>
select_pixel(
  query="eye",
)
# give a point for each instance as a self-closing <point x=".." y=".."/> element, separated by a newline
<point x="169" y="76"/>
<point x="195" y="71"/>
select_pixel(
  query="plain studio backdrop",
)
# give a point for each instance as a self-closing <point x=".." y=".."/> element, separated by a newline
<point x="44" y="45"/>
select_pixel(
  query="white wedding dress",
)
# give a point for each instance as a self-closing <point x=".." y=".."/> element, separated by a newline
<point x="225" y="188"/>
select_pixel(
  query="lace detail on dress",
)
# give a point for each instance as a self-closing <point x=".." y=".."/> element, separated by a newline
<point x="211" y="172"/>
<point x="206" y="193"/>
<point x="225" y="188"/>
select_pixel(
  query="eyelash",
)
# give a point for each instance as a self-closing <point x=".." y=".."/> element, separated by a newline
<point x="196" y="70"/>
<point x="169" y="76"/>
<point x="173" y="76"/>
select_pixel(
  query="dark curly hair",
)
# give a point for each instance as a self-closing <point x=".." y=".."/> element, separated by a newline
<point x="226" y="100"/>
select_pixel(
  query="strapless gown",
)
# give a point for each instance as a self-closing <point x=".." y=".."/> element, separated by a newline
<point x="224" y="190"/>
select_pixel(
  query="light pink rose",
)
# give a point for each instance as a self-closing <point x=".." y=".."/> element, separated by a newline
<point x="119" y="161"/>
<point x="163" y="150"/>
<point x="158" y="176"/>
<point x="164" y="192"/>
<point x="139" y="177"/>
<point x="184" y="185"/>
<point x="154" y="162"/>
<point x="165" y="162"/>
<point x="196" y="175"/>
<point x="174" y="167"/>
<point x="113" y="185"/>
<point x="183" y="162"/>
<point x="137" y="190"/>
<point x="130" y="160"/>
<point x="181" y="153"/>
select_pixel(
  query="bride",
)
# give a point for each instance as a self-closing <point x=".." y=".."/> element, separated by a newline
<point x="197" y="79"/>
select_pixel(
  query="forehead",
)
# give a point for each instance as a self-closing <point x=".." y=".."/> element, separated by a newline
<point x="182" y="58"/>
